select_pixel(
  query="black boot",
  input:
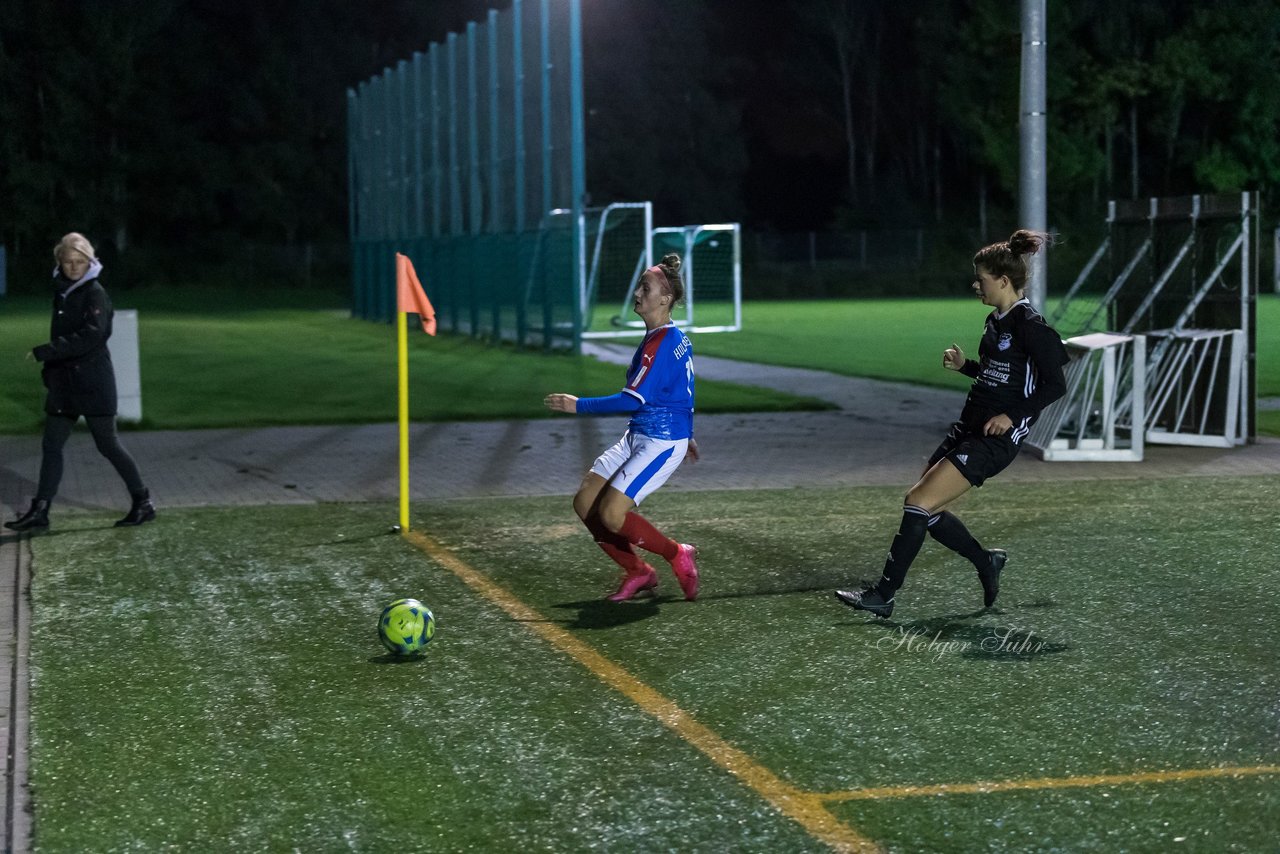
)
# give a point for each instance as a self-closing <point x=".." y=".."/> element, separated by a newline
<point x="141" y="511"/>
<point x="37" y="518"/>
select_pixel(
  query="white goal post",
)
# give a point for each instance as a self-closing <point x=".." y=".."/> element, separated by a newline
<point x="621" y="243"/>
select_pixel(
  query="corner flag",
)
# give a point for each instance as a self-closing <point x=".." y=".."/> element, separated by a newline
<point x="410" y="297"/>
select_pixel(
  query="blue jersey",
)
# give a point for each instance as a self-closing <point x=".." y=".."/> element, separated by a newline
<point x="661" y="378"/>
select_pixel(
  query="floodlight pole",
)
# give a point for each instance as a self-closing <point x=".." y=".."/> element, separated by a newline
<point x="1032" y="184"/>
<point x="578" y="165"/>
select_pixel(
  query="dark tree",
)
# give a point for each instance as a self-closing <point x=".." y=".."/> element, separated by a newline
<point x="663" y="118"/>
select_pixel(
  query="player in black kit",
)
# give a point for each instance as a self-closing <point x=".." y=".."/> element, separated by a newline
<point x="1018" y="373"/>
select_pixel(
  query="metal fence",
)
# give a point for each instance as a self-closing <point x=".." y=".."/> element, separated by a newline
<point x="469" y="158"/>
<point x="1181" y="274"/>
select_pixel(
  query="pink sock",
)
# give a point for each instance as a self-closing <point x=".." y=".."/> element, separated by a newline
<point x="639" y="532"/>
<point x="616" y="547"/>
<point x="628" y="560"/>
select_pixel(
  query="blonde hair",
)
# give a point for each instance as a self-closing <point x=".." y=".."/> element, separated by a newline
<point x="73" y="241"/>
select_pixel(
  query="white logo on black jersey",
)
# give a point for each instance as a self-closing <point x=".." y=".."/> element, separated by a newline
<point x="1006" y="341"/>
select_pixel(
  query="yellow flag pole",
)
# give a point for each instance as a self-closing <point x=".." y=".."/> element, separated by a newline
<point x="402" y="352"/>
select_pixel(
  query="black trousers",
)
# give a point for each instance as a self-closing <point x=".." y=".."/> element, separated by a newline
<point x="57" y="429"/>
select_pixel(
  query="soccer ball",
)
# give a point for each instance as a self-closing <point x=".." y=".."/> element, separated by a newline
<point x="406" y="626"/>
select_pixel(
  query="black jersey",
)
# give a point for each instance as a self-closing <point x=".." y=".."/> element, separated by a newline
<point x="1018" y="372"/>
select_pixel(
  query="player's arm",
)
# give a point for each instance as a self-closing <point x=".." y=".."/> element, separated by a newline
<point x="1047" y="353"/>
<point x="620" y="402"/>
<point x="953" y="359"/>
<point x="997" y="425"/>
<point x="561" y="403"/>
<point x="91" y="333"/>
<point x="623" y="401"/>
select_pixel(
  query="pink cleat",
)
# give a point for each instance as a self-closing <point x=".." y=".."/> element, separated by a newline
<point x="686" y="570"/>
<point x="635" y="584"/>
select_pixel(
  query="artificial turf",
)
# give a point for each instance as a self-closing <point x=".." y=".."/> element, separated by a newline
<point x="215" y="680"/>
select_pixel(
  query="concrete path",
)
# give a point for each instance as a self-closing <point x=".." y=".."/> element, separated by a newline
<point x="881" y="434"/>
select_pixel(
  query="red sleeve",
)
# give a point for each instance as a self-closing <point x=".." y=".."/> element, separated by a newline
<point x="648" y="358"/>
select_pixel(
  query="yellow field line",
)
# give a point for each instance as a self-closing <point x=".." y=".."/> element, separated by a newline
<point x="806" y="808"/>
<point x="1049" y="783"/>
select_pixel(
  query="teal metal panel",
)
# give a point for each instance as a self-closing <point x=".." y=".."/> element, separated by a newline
<point x="459" y="154"/>
<point x="401" y="136"/>
<point x="437" y="165"/>
<point x="517" y="117"/>
<point x="475" y="200"/>
<point x="419" y="131"/>
<point x="544" y="47"/>
<point x="578" y="169"/>
<point x="455" y="180"/>
<point x="495" y="130"/>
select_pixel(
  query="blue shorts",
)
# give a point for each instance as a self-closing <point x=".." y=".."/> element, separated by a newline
<point x="638" y="464"/>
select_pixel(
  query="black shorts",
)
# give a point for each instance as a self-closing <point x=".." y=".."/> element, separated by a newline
<point x="978" y="457"/>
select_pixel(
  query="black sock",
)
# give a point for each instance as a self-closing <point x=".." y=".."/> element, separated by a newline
<point x="906" y="545"/>
<point x="947" y="529"/>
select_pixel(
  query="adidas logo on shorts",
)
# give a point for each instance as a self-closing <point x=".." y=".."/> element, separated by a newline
<point x="963" y="459"/>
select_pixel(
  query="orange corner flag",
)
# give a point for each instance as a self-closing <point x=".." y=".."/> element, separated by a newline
<point x="410" y="297"/>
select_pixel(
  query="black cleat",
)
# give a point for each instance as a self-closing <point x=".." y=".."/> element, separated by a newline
<point x="989" y="575"/>
<point x="867" y="599"/>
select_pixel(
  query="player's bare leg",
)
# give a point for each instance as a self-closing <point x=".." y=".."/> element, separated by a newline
<point x="940" y="485"/>
<point x="639" y="576"/>
<point x="617" y="512"/>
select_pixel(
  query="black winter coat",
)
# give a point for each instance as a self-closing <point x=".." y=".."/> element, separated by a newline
<point x="77" y="365"/>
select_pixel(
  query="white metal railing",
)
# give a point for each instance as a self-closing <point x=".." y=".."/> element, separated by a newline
<point x="1101" y="416"/>
<point x="1196" y="389"/>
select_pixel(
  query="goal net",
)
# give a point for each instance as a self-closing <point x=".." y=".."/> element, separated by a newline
<point x="622" y="243"/>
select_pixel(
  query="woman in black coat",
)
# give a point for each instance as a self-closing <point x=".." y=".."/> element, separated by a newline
<point x="80" y="380"/>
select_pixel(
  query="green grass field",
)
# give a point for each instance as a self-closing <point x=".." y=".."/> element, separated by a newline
<point x="214" y="682"/>
<point x="898" y="339"/>
<point x="260" y="361"/>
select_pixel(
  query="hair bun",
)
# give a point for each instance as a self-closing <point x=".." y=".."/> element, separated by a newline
<point x="1024" y="241"/>
<point x="671" y="260"/>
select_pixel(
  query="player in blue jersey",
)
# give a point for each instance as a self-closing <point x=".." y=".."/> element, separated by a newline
<point x="659" y="395"/>
<point x="1018" y="373"/>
